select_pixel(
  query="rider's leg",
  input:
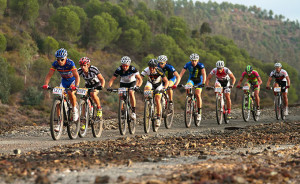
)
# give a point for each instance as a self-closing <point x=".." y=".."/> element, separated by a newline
<point x="275" y="85"/>
<point x="132" y="100"/>
<point x="158" y="104"/>
<point x="170" y="91"/>
<point x="198" y="97"/>
<point x="246" y="84"/>
<point x="96" y="99"/>
<point x="256" y="94"/>
<point x="285" y="99"/>
<point x="228" y="100"/>
<point x="72" y="98"/>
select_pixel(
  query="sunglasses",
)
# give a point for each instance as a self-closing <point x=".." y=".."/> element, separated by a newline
<point x="60" y="59"/>
<point x="161" y="63"/>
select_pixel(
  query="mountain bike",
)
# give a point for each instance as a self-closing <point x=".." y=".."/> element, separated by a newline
<point x="249" y="105"/>
<point x="279" y="103"/>
<point x="61" y="115"/>
<point x="125" y="110"/>
<point x="88" y="113"/>
<point x="167" y="112"/>
<point x="221" y="106"/>
<point x="150" y="109"/>
<point x="190" y="111"/>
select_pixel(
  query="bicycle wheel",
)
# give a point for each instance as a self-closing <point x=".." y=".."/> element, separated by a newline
<point x="147" y="116"/>
<point x="246" y="108"/>
<point x="195" y="112"/>
<point x="73" y="128"/>
<point x="225" y="112"/>
<point x="277" y="107"/>
<point x="254" y="110"/>
<point x="168" y="113"/>
<point x="154" y="127"/>
<point x="188" y="113"/>
<point x="122" y="117"/>
<point x="56" y="119"/>
<point x="219" y="110"/>
<point x="282" y="108"/>
<point x="84" y="118"/>
<point x="96" y="123"/>
<point x="131" y="122"/>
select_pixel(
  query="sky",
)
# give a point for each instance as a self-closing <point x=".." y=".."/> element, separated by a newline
<point x="288" y="8"/>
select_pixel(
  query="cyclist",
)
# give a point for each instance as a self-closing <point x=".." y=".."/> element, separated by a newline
<point x="253" y="79"/>
<point x="282" y="79"/>
<point x="197" y="77"/>
<point x="130" y="77"/>
<point x="171" y="74"/>
<point x="223" y="76"/>
<point x="93" y="79"/>
<point x="155" y="78"/>
<point x="69" y="77"/>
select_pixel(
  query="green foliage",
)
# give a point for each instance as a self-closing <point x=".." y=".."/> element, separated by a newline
<point x="80" y="13"/>
<point x="2" y="43"/>
<point x="74" y="55"/>
<point x="131" y="40"/>
<point x="50" y="45"/>
<point x="4" y="82"/>
<point x="66" y="24"/>
<point x="32" y="96"/>
<point x="3" y="6"/>
<point x="26" y="9"/>
<point x="93" y="7"/>
<point x="103" y="31"/>
<point x="205" y="28"/>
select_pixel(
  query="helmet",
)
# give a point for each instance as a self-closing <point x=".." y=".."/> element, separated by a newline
<point x="84" y="60"/>
<point x="249" y="69"/>
<point x="162" y="59"/>
<point x="126" y="60"/>
<point x="277" y="65"/>
<point x="152" y="63"/>
<point x="61" y="53"/>
<point x="194" y="56"/>
<point x="220" y="64"/>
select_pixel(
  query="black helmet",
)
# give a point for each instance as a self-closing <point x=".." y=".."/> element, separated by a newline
<point x="249" y="69"/>
<point x="153" y="63"/>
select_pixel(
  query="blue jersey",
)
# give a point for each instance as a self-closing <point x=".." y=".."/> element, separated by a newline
<point x="168" y="70"/>
<point x="195" y="72"/>
<point x="66" y="70"/>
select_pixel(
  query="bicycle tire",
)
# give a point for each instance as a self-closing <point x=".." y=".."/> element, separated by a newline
<point x="245" y="108"/>
<point x="254" y="111"/>
<point x="96" y="123"/>
<point x="84" y="118"/>
<point x="168" y="114"/>
<point x="195" y="112"/>
<point x="131" y="122"/>
<point x="225" y="112"/>
<point x="219" y="110"/>
<point x="56" y="121"/>
<point x="154" y="127"/>
<point x="277" y="107"/>
<point x="282" y="108"/>
<point x="188" y="114"/>
<point x="73" y="128"/>
<point x="147" y="116"/>
<point x="122" y="118"/>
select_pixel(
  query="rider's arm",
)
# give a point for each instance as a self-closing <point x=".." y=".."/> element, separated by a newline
<point x="259" y="80"/>
<point x="240" y="81"/>
<point x="268" y="83"/>
<point x="165" y="79"/>
<point x="203" y="72"/>
<point x="182" y="72"/>
<point x="48" y="77"/>
<point x="178" y="78"/>
<point x="101" y="78"/>
<point x="288" y="80"/>
<point x="207" y="80"/>
<point x="77" y="78"/>
<point x="111" y="81"/>
<point x="139" y="80"/>
<point x="232" y="78"/>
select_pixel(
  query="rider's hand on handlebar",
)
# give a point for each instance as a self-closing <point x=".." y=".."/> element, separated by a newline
<point x="268" y="88"/>
<point x="231" y="86"/>
<point x="287" y="86"/>
<point x="74" y="88"/>
<point x="99" y="87"/>
<point x="255" y="86"/>
<point x="174" y="86"/>
<point x="238" y="86"/>
<point x="45" y="86"/>
<point x="137" y="88"/>
<point x="109" y="89"/>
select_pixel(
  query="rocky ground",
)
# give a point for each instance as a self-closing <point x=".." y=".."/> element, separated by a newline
<point x="264" y="152"/>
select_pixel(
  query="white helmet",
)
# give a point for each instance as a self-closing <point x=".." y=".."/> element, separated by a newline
<point x="277" y="65"/>
<point x="194" y="56"/>
<point x="162" y="59"/>
<point x="126" y="60"/>
<point x="220" y="64"/>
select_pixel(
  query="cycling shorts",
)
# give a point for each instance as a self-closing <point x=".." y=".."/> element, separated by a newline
<point x="154" y="87"/>
<point x="253" y="83"/>
<point x="194" y="82"/>
<point x="225" y="84"/>
<point x="173" y="80"/>
<point x="282" y="84"/>
<point x="67" y="83"/>
<point x="127" y="85"/>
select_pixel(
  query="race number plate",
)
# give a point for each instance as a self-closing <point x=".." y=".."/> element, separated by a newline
<point x="218" y="89"/>
<point x="188" y="87"/>
<point x="58" y="90"/>
<point x="148" y="93"/>
<point x="82" y="91"/>
<point x="246" y="88"/>
<point x="277" y="89"/>
<point x="122" y="90"/>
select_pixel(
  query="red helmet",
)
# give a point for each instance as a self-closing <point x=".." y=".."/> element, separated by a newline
<point x="84" y="60"/>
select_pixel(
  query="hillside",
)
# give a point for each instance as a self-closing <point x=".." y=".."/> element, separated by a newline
<point x="31" y="31"/>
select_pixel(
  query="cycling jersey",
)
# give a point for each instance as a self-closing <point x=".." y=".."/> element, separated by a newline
<point x="168" y="70"/>
<point x="195" y="72"/>
<point x="279" y="76"/>
<point x="223" y="76"/>
<point x="154" y="78"/>
<point x="91" y="79"/>
<point x="126" y="76"/>
<point x="66" y="70"/>
<point x="253" y="77"/>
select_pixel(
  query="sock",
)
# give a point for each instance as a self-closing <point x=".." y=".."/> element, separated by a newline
<point x="229" y="111"/>
<point x="170" y="101"/>
<point x="133" y="109"/>
<point x="199" y="110"/>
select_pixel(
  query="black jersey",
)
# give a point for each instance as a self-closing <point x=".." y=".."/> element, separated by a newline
<point x="126" y="76"/>
<point x="91" y="78"/>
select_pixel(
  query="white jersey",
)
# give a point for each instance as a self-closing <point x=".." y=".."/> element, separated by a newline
<point x="279" y="76"/>
<point x="154" y="78"/>
<point x="223" y="76"/>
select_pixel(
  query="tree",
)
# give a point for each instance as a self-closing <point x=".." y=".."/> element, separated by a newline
<point x="166" y="7"/>
<point x="3" y="43"/>
<point x="50" y="45"/>
<point x="93" y="7"/>
<point x="66" y="24"/>
<point x="205" y="28"/>
<point x="3" y="6"/>
<point x="103" y="30"/>
<point x="4" y="82"/>
<point x="27" y="10"/>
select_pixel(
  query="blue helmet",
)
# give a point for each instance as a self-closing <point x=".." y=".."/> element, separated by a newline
<point x="61" y="53"/>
